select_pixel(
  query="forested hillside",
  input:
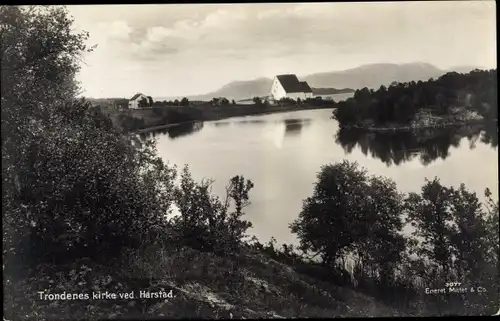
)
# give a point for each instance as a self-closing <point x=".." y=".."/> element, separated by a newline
<point x="452" y="98"/>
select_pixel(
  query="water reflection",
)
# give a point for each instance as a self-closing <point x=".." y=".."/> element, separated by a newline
<point x="294" y="126"/>
<point x="175" y="131"/>
<point x="251" y="122"/>
<point x="428" y="144"/>
<point x="221" y="124"/>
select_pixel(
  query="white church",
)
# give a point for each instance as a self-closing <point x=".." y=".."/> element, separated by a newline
<point x="289" y="86"/>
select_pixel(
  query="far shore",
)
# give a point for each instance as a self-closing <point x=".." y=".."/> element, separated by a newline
<point x="410" y="128"/>
<point x="266" y="111"/>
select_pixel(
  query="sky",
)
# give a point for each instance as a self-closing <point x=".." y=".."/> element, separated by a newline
<point x="189" y="49"/>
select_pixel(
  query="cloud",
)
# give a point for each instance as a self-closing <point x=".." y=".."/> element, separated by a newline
<point x="239" y="41"/>
<point x="118" y="30"/>
<point x="291" y="29"/>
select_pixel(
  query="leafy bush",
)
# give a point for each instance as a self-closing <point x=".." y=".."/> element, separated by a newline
<point x="257" y="101"/>
<point x="286" y="101"/>
<point x="206" y="222"/>
<point x="89" y="190"/>
<point x="354" y="217"/>
<point x="350" y="212"/>
<point x="456" y="233"/>
<point x="74" y="185"/>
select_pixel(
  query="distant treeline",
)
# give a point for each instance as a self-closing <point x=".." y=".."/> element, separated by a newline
<point x="401" y="102"/>
<point x="122" y="103"/>
<point x="331" y="91"/>
<point x="163" y="113"/>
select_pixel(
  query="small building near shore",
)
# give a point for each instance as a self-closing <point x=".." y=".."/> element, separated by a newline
<point x="289" y="86"/>
<point x="135" y="101"/>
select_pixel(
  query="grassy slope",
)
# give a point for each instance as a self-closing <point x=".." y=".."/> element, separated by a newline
<point x="204" y="285"/>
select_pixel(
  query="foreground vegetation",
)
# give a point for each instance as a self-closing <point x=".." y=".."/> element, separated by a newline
<point x="87" y="208"/>
<point x="452" y="99"/>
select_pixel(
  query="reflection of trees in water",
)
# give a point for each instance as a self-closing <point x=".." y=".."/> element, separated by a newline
<point x="427" y="144"/>
<point x="176" y="131"/>
<point x="489" y="134"/>
<point x="251" y="122"/>
<point x="221" y="124"/>
<point x="294" y="126"/>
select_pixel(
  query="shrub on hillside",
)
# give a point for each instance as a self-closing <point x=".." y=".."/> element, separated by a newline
<point x="73" y="185"/>
<point x="86" y="190"/>
<point x="207" y="222"/>
<point x="455" y="232"/>
<point x="351" y="213"/>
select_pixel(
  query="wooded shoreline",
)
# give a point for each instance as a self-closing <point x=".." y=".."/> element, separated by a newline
<point x="410" y="128"/>
<point x="226" y="115"/>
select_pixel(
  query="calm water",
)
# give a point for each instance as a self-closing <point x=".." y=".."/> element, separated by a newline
<point x="281" y="154"/>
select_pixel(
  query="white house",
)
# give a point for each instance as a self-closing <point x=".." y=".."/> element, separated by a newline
<point x="133" y="103"/>
<point x="289" y="86"/>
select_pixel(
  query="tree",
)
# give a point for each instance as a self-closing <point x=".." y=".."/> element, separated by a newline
<point x="224" y="101"/>
<point x="215" y="101"/>
<point x="492" y="222"/>
<point x="401" y="102"/>
<point x="143" y="102"/>
<point x="206" y="222"/>
<point x="32" y="78"/>
<point x="150" y="101"/>
<point x="176" y="102"/>
<point x="233" y="102"/>
<point x="429" y="213"/>
<point x="287" y="100"/>
<point x="346" y="113"/>
<point x="184" y="102"/>
<point x="381" y="249"/>
<point x="351" y="213"/>
<point x="67" y="193"/>
<point x="32" y="81"/>
<point x="469" y="234"/>
<point x="257" y="101"/>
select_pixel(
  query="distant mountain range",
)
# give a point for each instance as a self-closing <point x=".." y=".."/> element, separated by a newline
<point x="371" y="76"/>
<point x="375" y="75"/>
